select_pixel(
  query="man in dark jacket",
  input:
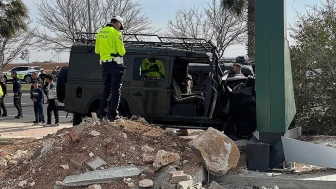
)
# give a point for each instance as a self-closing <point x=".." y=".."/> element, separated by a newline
<point x="17" y="95"/>
<point x="2" y="103"/>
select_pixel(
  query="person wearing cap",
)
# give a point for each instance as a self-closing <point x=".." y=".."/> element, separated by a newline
<point x="110" y="48"/>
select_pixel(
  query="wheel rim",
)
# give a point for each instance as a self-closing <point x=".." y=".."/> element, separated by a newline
<point x="28" y="79"/>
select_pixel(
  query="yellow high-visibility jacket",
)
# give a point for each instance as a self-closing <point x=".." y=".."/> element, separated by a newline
<point x="153" y="69"/>
<point x="109" y="41"/>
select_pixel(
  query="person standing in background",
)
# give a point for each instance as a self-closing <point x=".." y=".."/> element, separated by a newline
<point x="17" y="94"/>
<point x="2" y="102"/>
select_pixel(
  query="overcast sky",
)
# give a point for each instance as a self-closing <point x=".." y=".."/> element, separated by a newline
<point x="160" y="11"/>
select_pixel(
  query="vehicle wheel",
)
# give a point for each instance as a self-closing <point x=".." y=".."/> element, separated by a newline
<point x="28" y="79"/>
<point x="61" y="81"/>
<point x="77" y="119"/>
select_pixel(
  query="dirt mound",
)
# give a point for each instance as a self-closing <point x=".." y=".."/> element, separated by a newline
<point x="121" y="143"/>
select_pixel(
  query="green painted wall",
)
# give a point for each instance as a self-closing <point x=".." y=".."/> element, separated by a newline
<point x="274" y="85"/>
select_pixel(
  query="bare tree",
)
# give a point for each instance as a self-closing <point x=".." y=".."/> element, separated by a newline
<point x="63" y="18"/>
<point x="211" y="23"/>
<point x="11" y="47"/>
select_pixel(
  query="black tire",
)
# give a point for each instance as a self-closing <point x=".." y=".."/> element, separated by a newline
<point x="28" y="79"/>
<point x="61" y="81"/>
<point x="76" y="119"/>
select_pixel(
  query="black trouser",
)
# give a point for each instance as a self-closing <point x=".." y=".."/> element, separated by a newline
<point x="112" y="75"/>
<point x="38" y="111"/>
<point x="17" y="103"/>
<point x="52" y="107"/>
<point x="2" y="106"/>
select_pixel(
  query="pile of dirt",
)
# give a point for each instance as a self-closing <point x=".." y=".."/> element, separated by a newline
<point x="124" y="142"/>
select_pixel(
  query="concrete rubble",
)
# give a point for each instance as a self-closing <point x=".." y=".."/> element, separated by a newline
<point x="101" y="176"/>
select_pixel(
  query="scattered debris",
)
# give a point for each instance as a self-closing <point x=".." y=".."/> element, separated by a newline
<point x="217" y="151"/>
<point x="84" y="159"/>
<point x="22" y="183"/>
<point x="163" y="158"/>
<point x="96" y="186"/>
<point x="178" y="176"/>
<point x="94" y="133"/>
<point x="20" y="154"/>
<point x="96" y="163"/>
<point x="146" y="183"/>
<point x="65" y="166"/>
<point x="215" y="185"/>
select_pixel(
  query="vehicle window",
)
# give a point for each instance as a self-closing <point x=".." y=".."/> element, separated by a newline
<point x="148" y="69"/>
<point x="37" y="68"/>
<point x="14" y="69"/>
<point x="22" y="69"/>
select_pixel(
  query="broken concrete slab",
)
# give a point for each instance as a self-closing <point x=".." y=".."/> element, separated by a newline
<point x="96" y="163"/>
<point x="215" y="185"/>
<point x="319" y="180"/>
<point x="164" y="158"/>
<point x="102" y="176"/>
<point x="188" y="184"/>
<point x="163" y="175"/>
<point x="178" y="176"/>
<point x="308" y="153"/>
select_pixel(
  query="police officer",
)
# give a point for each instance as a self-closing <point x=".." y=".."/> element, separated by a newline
<point x="17" y="94"/>
<point x="110" y="47"/>
<point x="4" y="93"/>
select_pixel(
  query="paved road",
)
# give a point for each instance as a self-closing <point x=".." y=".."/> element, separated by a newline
<point x="28" y="111"/>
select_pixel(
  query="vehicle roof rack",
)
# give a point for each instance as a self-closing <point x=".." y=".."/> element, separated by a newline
<point x="150" y="40"/>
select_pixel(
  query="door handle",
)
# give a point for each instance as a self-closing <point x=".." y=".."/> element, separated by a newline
<point x="137" y="94"/>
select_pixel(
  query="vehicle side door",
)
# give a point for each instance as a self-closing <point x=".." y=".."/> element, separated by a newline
<point x="149" y="89"/>
<point x="21" y="72"/>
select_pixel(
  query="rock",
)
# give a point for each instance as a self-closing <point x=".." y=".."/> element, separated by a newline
<point x="215" y="185"/>
<point x="166" y="185"/>
<point x="185" y="184"/>
<point x="96" y="186"/>
<point x="8" y="157"/>
<point x="148" y="159"/>
<point x="185" y="162"/>
<point x="13" y="162"/>
<point x="22" y="183"/>
<point x="178" y="176"/>
<point x="147" y="148"/>
<point x="94" y="133"/>
<point x="131" y="184"/>
<point x="112" y="149"/>
<point x="149" y="172"/>
<point x="146" y="183"/>
<point x="128" y="180"/>
<point x="217" y="152"/>
<point x="20" y="154"/>
<point x="65" y="166"/>
<point x="163" y="158"/>
<point x="275" y="187"/>
<point x="3" y="164"/>
<point x="74" y="136"/>
<point x="91" y="154"/>
<point x="124" y="135"/>
<point x="32" y="184"/>
<point x="96" y="162"/>
<point x="47" y="145"/>
<point x="79" y="129"/>
<point x="78" y="162"/>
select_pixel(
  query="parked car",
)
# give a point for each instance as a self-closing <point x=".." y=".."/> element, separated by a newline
<point x="24" y="73"/>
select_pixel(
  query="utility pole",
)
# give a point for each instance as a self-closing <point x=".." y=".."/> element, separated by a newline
<point x="89" y="14"/>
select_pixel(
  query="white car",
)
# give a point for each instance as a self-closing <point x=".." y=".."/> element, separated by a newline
<point x="23" y="72"/>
